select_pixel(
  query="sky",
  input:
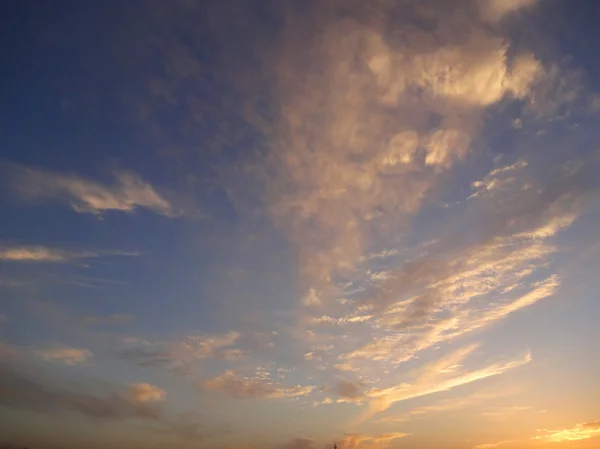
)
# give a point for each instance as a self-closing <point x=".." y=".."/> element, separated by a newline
<point x="286" y="224"/>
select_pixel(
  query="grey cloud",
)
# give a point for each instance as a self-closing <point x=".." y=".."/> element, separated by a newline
<point x="297" y="443"/>
<point x="22" y="390"/>
<point x="114" y="319"/>
<point x="350" y="390"/>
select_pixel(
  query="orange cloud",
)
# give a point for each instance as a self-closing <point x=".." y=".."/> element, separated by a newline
<point x="144" y="392"/>
<point x="581" y="431"/>
<point x="362" y="441"/>
<point x="66" y="355"/>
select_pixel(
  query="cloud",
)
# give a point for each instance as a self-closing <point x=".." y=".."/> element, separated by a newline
<point x="493" y="445"/>
<point x="28" y="388"/>
<point x="84" y="196"/>
<point x="374" y="115"/>
<point x="495" y="10"/>
<point x="505" y="411"/>
<point x="297" y="443"/>
<point x="115" y="318"/>
<point x="451" y="404"/>
<point x="353" y="146"/>
<point x="350" y="390"/>
<point x="22" y="390"/>
<point x="34" y="254"/>
<point x="354" y="440"/>
<point x="581" y="431"/>
<point x="57" y="255"/>
<point x="66" y="355"/>
<point x="7" y="351"/>
<point x="144" y="392"/>
<point x="176" y="355"/>
<point x="230" y="384"/>
<point x="497" y="179"/>
<point x="432" y="381"/>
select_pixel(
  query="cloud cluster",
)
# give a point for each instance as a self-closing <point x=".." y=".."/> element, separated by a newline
<point x="84" y="196"/>
<point x="232" y="385"/>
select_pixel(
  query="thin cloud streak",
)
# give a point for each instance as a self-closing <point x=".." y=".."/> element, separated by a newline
<point x="126" y="194"/>
<point x="380" y="400"/>
<point x="66" y="355"/>
<point x="581" y="431"/>
<point x="54" y="255"/>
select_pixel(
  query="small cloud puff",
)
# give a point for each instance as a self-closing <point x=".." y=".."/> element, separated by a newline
<point x="144" y="392"/>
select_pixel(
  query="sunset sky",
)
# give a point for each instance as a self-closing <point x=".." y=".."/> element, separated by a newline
<point x="282" y="224"/>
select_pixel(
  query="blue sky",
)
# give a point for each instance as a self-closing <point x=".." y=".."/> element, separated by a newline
<point x="288" y="224"/>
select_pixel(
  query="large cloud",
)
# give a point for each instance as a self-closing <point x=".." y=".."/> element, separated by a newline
<point x="356" y="146"/>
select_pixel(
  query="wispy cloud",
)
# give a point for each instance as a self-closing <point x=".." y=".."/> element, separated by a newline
<point x="355" y="440"/>
<point x="114" y="319"/>
<point x="66" y="355"/>
<point x="581" y="431"/>
<point x="127" y="193"/>
<point x="230" y="384"/>
<point x="495" y="10"/>
<point x="494" y="445"/>
<point x="176" y="355"/>
<point x="45" y="254"/>
<point x="432" y="380"/>
<point x="451" y="404"/>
